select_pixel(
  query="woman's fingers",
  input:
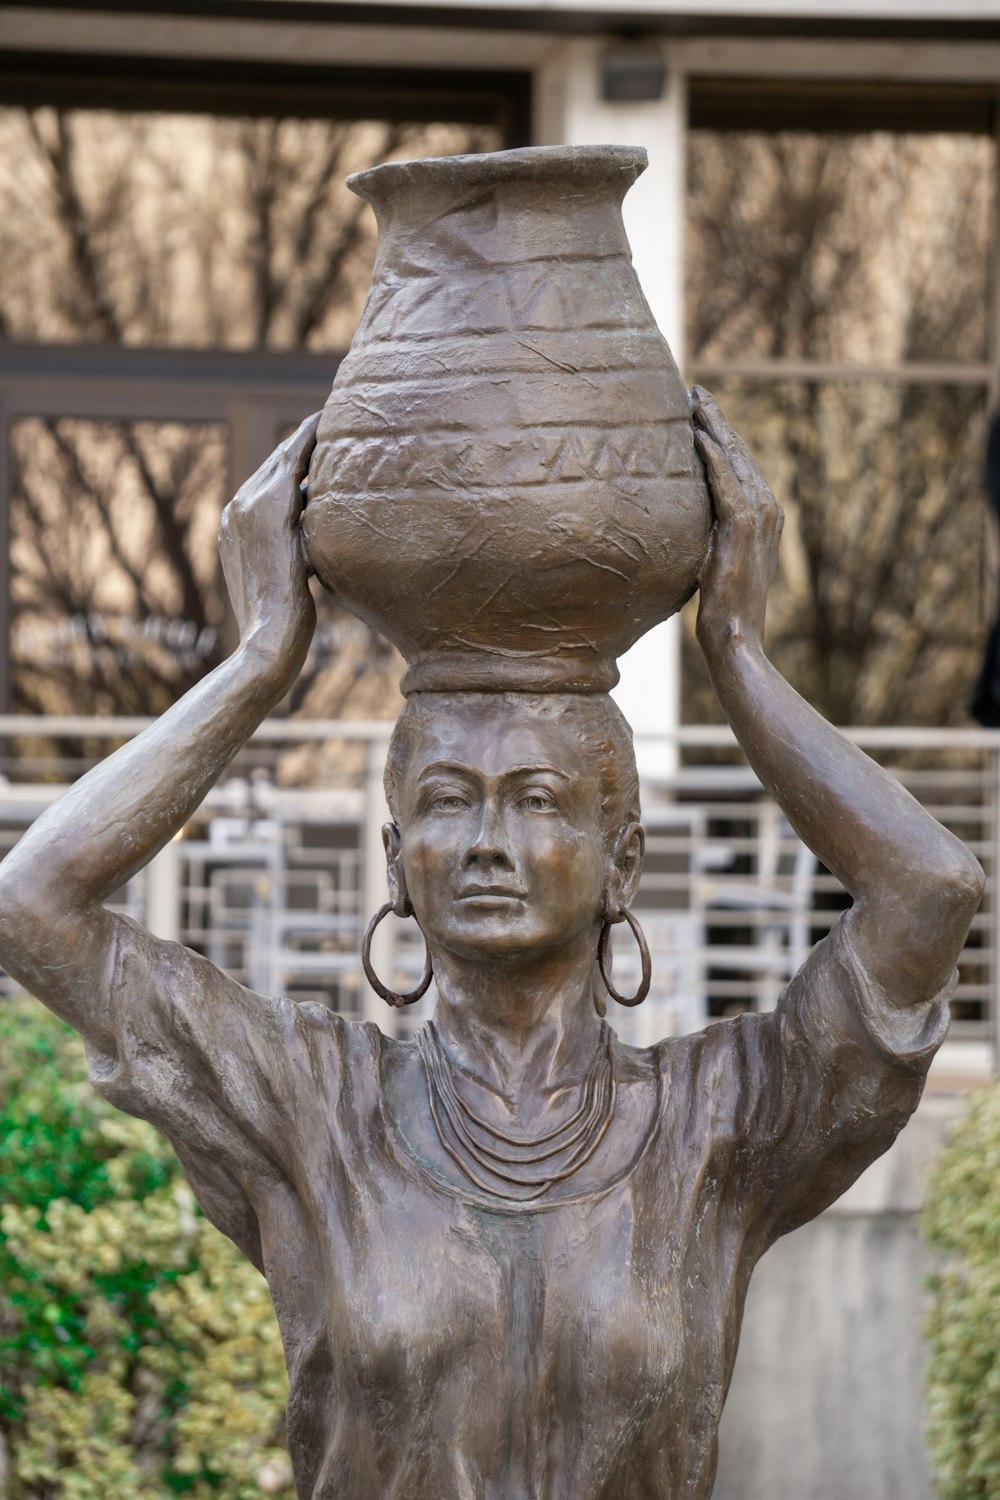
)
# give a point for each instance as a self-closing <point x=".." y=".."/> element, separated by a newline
<point x="709" y="417"/>
<point x="703" y="399"/>
<point x="290" y="458"/>
<point x="710" y="423"/>
<point x="300" y="445"/>
<point x="727" y="492"/>
<point x="708" y="414"/>
<point x="712" y="418"/>
<point x="276" y="488"/>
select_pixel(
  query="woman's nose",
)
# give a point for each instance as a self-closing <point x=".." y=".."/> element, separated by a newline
<point x="489" y="843"/>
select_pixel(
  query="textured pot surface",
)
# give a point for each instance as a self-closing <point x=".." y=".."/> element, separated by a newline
<point x="505" y="481"/>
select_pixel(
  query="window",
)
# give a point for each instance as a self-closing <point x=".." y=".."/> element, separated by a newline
<point x="178" y="286"/>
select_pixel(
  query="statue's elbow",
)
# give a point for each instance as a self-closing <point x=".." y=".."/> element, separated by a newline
<point x="958" y="889"/>
<point x="26" y="912"/>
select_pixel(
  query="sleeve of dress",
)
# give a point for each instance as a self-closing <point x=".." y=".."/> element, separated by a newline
<point x="805" y="1098"/>
<point x="212" y="1065"/>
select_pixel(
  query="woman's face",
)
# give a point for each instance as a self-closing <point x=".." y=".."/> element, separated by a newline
<point x="503" y="848"/>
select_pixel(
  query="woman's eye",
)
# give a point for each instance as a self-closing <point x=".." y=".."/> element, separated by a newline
<point x="449" y="802"/>
<point x="538" y="802"/>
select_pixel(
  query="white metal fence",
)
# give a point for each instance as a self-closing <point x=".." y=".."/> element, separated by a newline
<point x="276" y="876"/>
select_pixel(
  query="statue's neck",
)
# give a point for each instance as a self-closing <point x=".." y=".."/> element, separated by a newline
<point x="520" y="1036"/>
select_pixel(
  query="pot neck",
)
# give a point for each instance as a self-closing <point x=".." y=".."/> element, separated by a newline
<point x="500" y="207"/>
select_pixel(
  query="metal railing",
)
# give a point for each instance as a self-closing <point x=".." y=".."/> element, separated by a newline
<point x="275" y="877"/>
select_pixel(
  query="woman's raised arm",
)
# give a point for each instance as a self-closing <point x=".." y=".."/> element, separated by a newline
<point x="56" y="936"/>
<point x="915" y="886"/>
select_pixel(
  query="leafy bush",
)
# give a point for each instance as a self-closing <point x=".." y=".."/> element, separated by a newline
<point x="139" y="1354"/>
<point x="962" y="1222"/>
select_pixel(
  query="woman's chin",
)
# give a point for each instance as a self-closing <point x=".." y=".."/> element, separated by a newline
<point x="499" y="937"/>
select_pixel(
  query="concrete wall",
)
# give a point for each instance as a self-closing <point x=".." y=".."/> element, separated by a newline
<point x="827" y="1400"/>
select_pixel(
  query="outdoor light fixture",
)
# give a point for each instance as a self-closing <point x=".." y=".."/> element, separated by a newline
<point x="632" y="72"/>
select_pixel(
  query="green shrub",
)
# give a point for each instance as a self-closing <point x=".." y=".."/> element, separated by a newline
<point x="962" y="1222"/>
<point x="139" y="1354"/>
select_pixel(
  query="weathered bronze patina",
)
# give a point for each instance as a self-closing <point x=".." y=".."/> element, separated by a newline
<point x="510" y="407"/>
<point x="509" y="1258"/>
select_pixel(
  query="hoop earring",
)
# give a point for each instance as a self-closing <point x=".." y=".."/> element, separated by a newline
<point x="604" y="955"/>
<point x="389" y="996"/>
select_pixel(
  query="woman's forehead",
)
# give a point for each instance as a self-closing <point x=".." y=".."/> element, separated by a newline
<point x="495" y="737"/>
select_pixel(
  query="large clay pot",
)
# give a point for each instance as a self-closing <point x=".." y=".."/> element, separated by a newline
<point x="505" y="482"/>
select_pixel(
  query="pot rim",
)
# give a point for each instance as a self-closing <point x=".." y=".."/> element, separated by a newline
<point x="584" y="165"/>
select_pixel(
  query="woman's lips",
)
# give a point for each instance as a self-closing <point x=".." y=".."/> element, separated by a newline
<point x="490" y="893"/>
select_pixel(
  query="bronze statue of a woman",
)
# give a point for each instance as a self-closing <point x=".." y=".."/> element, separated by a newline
<point x="508" y="1258"/>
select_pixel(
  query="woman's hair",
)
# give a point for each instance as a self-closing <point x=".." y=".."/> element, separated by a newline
<point x="598" y="725"/>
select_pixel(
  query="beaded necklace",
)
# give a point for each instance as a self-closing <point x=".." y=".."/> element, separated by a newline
<point x="512" y="1159"/>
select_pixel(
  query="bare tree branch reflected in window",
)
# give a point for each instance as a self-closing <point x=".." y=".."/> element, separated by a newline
<point x="864" y="251"/>
<point x="184" y="231"/>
